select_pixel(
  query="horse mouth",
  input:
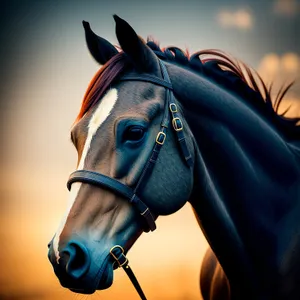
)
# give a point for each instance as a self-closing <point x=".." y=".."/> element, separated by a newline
<point x="105" y="281"/>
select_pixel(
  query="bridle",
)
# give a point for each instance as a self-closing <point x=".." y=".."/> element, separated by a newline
<point x="131" y="193"/>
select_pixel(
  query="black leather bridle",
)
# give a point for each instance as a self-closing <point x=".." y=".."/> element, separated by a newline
<point x="131" y="193"/>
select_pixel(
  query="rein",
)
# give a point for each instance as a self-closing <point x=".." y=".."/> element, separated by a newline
<point x="117" y="252"/>
<point x="172" y="114"/>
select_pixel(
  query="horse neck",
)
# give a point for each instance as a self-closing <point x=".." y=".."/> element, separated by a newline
<point x="245" y="180"/>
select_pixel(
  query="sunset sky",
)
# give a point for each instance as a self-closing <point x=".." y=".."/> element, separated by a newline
<point x="45" y="70"/>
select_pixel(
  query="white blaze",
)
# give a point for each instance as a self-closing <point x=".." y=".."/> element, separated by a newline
<point x="100" y="115"/>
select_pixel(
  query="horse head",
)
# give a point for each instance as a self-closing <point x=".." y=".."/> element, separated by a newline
<point x="121" y="184"/>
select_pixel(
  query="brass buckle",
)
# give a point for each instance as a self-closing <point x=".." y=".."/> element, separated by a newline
<point x="116" y="259"/>
<point x="158" y="136"/>
<point x="173" y="108"/>
<point x="174" y="123"/>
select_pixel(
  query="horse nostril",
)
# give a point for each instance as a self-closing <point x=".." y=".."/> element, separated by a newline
<point x="78" y="259"/>
<point x="50" y="243"/>
<point x="50" y="250"/>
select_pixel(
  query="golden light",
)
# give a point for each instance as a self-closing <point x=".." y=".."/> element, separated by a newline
<point x="269" y="65"/>
<point x="241" y="19"/>
<point x="290" y="62"/>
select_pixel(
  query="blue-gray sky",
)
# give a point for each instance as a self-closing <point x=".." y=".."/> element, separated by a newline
<point x="192" y="22"/>
<point x="51" y="31"/>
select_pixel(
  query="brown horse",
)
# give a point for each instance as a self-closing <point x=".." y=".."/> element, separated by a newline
<point x="159" y="128"/>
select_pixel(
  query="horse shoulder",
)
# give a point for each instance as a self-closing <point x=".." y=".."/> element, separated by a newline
<point x="213" y="281"/>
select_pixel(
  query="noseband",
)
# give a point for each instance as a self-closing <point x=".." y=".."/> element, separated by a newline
<point x="172" y="114"/>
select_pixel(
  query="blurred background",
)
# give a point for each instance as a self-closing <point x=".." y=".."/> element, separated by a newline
<point x="45" y="69"/>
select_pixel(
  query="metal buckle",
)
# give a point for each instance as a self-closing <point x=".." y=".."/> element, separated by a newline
<point x="174" y="123"/>
<point x="158" y="137"/>
<point x="145" y="211"/>
<point x="116" y="259"/>
<point x="173" y="108"/>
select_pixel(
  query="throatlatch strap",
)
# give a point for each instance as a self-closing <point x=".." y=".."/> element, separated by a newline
<point x="178" y="127"/>
<point x="117" y="252"/>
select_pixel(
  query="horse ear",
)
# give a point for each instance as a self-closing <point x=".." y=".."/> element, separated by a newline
<point x="101" y="49"/>
<point x="138" y="52"/>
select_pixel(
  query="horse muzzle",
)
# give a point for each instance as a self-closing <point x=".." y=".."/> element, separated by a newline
<point x="79" y="271"/>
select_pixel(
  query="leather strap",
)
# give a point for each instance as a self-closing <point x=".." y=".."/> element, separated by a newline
<point x="178" y="127"/>
<point x="115" y="186"/>
<point x="117" y="252"/>
<point x="176" y="119"/>
<point x="134" y="281"/>
<point x="148" y="78"/>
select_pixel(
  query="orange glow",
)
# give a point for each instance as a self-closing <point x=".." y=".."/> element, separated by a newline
<point x="168" y="275"/>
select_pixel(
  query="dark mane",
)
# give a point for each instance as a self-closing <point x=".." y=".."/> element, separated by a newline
<point x="237" y="78"/>
<point x="216" y="65"/>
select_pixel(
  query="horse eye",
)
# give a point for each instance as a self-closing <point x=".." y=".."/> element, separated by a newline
<point x="134" y="134"/>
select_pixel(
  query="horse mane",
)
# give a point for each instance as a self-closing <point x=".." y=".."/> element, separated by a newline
<point x="232" y="74"/>
<point x="238" y="78"/>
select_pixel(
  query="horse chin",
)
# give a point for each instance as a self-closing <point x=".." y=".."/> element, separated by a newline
<point x="106" y="278"/>
<point x="82" y="291"/>
<point x="105" y="281"/>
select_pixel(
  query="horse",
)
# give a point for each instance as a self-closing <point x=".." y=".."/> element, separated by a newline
<point x="158" y="128"/>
